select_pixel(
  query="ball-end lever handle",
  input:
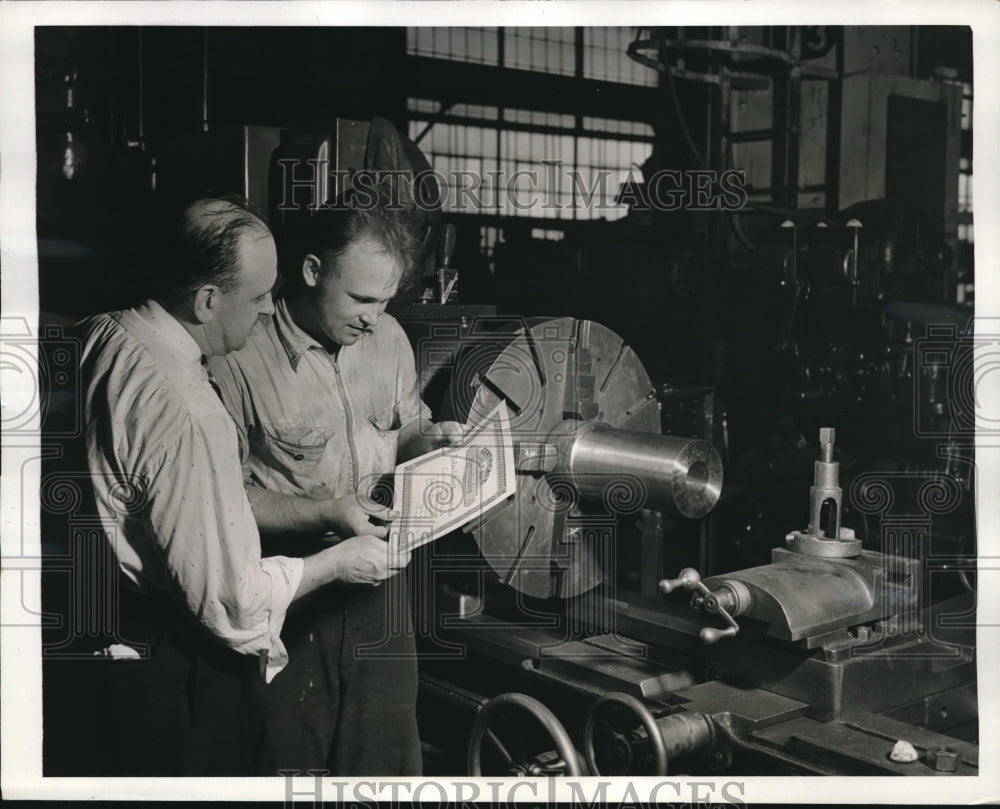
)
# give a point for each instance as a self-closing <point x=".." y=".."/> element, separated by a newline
<point x="710" y="634"/>
<point x="688" y="579"/>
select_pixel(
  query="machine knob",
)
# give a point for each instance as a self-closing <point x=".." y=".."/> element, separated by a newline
<point x="710" y="634"/>
<point x="690" y="579"/>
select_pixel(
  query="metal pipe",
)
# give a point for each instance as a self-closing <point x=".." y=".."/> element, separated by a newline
<point x="636" y="470"/>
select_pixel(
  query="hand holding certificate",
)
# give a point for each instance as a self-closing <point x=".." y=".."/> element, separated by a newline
<point x="442" y="490"/>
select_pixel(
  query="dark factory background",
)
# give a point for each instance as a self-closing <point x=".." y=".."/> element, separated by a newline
<point x="757" y="326"/>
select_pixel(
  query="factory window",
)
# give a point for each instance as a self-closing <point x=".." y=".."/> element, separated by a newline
<point x="550" y="50"/>
<point x="611" y="163"/>
<point x="546" y="49"/>
<point x="461" y="44"/>
<point x="522" y="173"/>
<point x="617" y="127"/>
<point x="498" y="162"/>
<point x="516" y="162"/>
<point x="604" y="57"/>
<point x="537" y="118"/>
<point x="477" y="111"/>
<point x="532" y="170"/>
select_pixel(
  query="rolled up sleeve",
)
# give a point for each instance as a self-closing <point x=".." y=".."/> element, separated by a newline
<point x="199" y="518"/>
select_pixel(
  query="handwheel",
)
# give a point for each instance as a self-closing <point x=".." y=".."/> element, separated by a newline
<point x="620" y="747"/>
<point x="565" y="761"/>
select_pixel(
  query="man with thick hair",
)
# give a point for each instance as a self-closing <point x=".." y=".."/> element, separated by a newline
<point x="196" y="596"/>
<point x="326" y="401"/>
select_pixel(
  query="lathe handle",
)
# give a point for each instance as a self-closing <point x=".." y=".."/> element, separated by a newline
<point x="690" y="579"/>
<point x="710" y="634"/>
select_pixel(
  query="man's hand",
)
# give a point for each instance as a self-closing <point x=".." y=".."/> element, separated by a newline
<point x="420" y="437"/>
<point x="443" y="433"/>
<point x="351" y="516"/>
<point x="367" y="560"/>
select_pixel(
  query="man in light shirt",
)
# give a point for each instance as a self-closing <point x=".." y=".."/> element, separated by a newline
<point x="164" y="459"/>
<point x="326" y="402"/>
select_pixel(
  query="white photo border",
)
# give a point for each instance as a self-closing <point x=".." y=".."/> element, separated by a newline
<point x="20" y="645"/>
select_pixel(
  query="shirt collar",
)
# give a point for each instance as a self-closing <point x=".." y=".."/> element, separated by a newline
<point x="170" y="331"/>
<point x="293" y="339"/>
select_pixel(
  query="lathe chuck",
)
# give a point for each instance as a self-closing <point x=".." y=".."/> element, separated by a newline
<point x="585" y="423"/>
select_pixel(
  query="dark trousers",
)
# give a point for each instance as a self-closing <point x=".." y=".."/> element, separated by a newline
<point x="179" y="711"/>
<point x="346" y="702"/>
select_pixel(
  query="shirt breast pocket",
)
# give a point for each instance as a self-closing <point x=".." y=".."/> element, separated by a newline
<point x="385" y="419"/>
<point x="298" y="453"/>
<point x="384" y="432"/>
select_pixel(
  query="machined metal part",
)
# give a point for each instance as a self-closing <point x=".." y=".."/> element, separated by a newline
<point x="681" y="476"/>
<point x="801" y="596"/>
<point x="847" y="547"/>
<point x="586" y="426"/>
<point x="733" y="596"/>
<point x="825" y="537"/>
<point x="825" y="493"/>
<point x="686" y="732"/>
<point x="666" y="737"/>
<point x="942" y="759"/>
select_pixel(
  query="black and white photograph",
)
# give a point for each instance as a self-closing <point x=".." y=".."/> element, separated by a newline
<point x="529" y="402"/>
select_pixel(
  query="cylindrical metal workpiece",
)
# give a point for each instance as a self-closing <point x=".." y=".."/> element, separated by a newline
<point x="677" y="475"/>
<point x="826" y="475"/>
<point x="730" y="594"/>
<point x="826" y="490"/>
<point x="685" y="733"/>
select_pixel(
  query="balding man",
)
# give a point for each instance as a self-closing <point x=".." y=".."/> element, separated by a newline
<point x="164" y="459"/>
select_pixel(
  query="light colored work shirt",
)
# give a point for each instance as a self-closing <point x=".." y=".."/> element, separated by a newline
<point x="313" y="423"/>
<point x="164" y="459"/>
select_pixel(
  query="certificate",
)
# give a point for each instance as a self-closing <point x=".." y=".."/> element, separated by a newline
<point x="447" y="488"/>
